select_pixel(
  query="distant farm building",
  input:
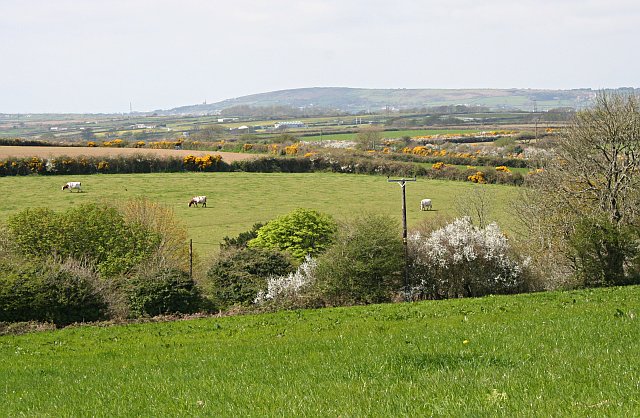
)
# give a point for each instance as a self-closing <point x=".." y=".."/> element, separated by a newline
<point x="288" y="124"/>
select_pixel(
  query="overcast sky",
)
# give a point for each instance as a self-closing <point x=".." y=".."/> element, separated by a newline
<point x="99" y="55"/>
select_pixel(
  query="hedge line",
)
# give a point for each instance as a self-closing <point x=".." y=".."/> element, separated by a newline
<point x="214" y="163"/>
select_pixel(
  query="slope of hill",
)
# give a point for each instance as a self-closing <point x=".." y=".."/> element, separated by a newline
<point x="355" y="100"/>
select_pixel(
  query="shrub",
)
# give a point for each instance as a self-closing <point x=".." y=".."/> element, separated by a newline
<point x="460" y="260"/>
<point x="48" y="293"/>
<point x="238" y="275"/>
<point x="300" y="232"/>
<point x="289" y="290"/>
<point x="94" y="233"/>
<point x="365" y="263"/>
<point x="603" y="254"/>
<point x="165" y="291"/>
<point x="242" y="239"/>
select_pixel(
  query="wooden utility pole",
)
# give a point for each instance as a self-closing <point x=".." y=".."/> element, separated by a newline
<point x="190" y="259"/>
<point x="402" y="183"/>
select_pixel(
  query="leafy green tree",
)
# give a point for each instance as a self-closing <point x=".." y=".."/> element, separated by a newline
<point x="300" y="232"/>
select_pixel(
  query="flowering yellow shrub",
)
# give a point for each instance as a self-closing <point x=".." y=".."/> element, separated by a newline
<point x="165" y="144"/>
<point x="116" y="143"/>
<point x="309" y="154"/>
<point x="291" y="149"/>
<point x="386" y="150"/>
<point x="503" y="168"/>
<point x="247" y="147"/>
<point x="140" y="144"/>
<point x="438" y="165"/>
<point x="102" y="166"/>
<point x="477" y="178"/>
<point x="201" y="163"/>
<point x="91" y="144"/>
<point x="36" y="165"/>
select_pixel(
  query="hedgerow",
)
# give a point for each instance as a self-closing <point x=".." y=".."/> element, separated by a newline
<point x="310" y="162"/>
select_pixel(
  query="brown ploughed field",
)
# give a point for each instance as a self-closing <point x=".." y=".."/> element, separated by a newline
<point x="46" y="152"/>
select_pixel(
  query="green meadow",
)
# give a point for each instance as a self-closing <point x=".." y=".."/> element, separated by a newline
<point x="389" y="134"/>
<point x="536" y="355"/>
<point x="235" y="201"/>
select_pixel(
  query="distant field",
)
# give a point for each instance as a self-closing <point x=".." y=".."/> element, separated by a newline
<point x="388" y="134"/>
<point x="237" y="200"/>
<point x="562" y="354"/>
<point x="21" y="151"/>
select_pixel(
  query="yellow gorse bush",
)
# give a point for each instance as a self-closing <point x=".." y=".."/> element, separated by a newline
<point x="438" y="165"/>
<point x="477" y="178"/>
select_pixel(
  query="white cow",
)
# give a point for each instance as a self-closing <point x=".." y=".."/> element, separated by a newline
<point x="425" y="203"/>
<point x="73" y="185"/>
<point x="199" y="199"/>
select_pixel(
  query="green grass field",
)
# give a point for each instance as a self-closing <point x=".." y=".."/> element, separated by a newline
<point x="536" y="355"/>
<point x="238" y="200"/>
<point x="389" y="134"/>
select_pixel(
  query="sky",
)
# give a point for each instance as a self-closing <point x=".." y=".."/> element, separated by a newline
<point x="101" y="56"/>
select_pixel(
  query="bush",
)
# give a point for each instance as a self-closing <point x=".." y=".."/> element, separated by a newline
<point x="89" y="232"/>
<point x="238" y="275"/>
<point x="365" y="263"/>
<point x="165" y="291"/>
<point x="291" y="290"/>
<point x="460" y="260"/>
<point x="48" y="293"/>
<point x="242" y="239"/>
<point x="301" y="232"/>
<point x="603" y="254"/>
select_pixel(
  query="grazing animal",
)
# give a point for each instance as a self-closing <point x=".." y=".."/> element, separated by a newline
<point x="73" y="185"/>
<point x="425" y="203"/>
<point x="199" y="199"/>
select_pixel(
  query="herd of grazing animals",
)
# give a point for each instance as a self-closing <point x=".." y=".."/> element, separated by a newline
<point x="197" y="200"/>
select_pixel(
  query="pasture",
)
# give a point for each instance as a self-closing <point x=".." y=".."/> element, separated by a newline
<point x="235" y="201"/>
<point x="536" y="355"/>
<point x="389" y="134"/>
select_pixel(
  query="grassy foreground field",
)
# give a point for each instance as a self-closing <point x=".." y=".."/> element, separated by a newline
<point x="548" y="354"/>
<point x="237" y="200"/>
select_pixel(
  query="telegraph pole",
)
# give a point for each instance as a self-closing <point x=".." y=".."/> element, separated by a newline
<point x="402" y="182"/>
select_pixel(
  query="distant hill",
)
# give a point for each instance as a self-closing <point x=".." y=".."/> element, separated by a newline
<point x="354" y="100"/>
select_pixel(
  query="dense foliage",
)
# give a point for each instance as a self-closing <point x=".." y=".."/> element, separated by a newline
<point x="365" y="263"/>
<point x="237" y="275"/>
<point x="301" y="232"/>
<point x="97" y="234"/>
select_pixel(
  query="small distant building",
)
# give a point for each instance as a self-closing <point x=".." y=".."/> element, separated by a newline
<point x="288" y="124"/>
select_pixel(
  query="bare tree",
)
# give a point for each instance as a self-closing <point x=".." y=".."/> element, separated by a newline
<point x="587" y="197"/>
<point x="368" y="137"/>
<point x="476" y="205"/>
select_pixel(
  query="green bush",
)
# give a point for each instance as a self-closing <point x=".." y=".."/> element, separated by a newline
<point x="242" y="239"/>
<point x="48" y="293"/>
<point x="238" y="275"/>
<point x="163" y="292"/>
<point x="98" y="234"/>
<point x="300" y="232"/>
<point x="603" y="254"/>
<point x="365" y="264"/>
